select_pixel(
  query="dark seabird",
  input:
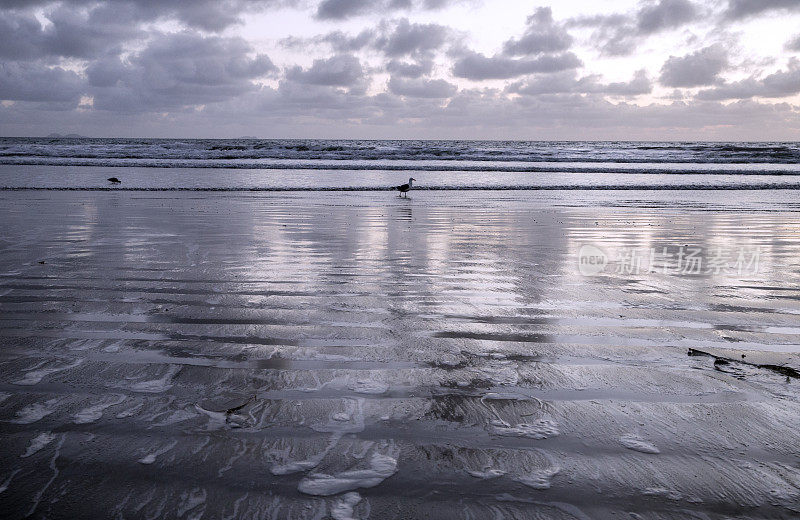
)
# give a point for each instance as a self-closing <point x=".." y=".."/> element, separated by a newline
<point x="114" y="180"/>
<point x="405" y="188"/>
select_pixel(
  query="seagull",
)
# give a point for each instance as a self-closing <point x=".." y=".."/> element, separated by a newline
<point x="405" y="188"/>
<point x="114" y="180"/>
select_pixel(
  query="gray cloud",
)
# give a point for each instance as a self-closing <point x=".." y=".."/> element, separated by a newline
<point x="175" y="71"/>
<point x="209" y="15"/>
<point x="620" y="34"/>
<point x="342" y="9"/>
<point x="665" y="14"/>
<point x="475" y="66"/>
<point x="613" y="35"/>
<point x="302" y="110"/>
<point x="421" y="88"/>
<point x="541" y="35"/>
<point x="780" y="84"/>
<point x="394" y="39"/>
<point x="339" y="9"/>
<point x="408" y="38"/>
<point x="341" y="71"/>
<point x="70" y="33"/>
<point x="339" y="41"/>
<point x="37" y="82"/>
<point x="20" y="36"/>
<point x="404" y="69"/>
<point x="640" y="84"/>
<point x="210" y="84"/>
<point x="744" y="8"/>
<point x="568" y="83"/>
<point x="86" y="35"/>
<point x="695" y="70"/>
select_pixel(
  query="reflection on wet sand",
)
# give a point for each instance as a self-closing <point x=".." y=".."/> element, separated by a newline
<point x="299" y="356"/>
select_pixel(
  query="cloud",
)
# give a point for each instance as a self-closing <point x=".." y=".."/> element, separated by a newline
<point x="341" y="42"/>
<point x="794" y="44"/>
<point x="783" y="83"/>
<point x="208" y="15"/>
<point x="475" y="66"/>
<point x="403" y="69"/>
<point x="421" y="88"/>
<point x="37" y="82"/>
<point x="298" y="110"/>
<point x="738" y="9"/>
<point x="342" y="9"/>
<point x="394" y="39"/>
<point x="568" y="83"/>
<point x="665" y="14"/>
<point x="175" y="71"/>
<point x="620" y="34"/>
<point x="542" y="35"/>
<point x="20" y="36"/>
<point x="56" y="55"/>
<point x="69" y="33"/>
<point x="408" y="38"/>
<point x="86" y="34"/>
<point x="339" y="9"/>
<point x="340" y="71"/>
<point x="695" y="70"/>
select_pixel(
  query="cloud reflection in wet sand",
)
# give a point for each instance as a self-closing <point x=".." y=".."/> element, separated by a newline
<point x="302" y="354"/>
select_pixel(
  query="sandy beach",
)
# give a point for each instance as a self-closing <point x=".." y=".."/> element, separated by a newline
<point x="351" y="355"/>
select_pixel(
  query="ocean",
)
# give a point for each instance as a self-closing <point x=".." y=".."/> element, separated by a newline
<point x="318" y="165"/>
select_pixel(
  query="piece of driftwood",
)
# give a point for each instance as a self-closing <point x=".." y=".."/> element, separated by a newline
<point x="721" y="360"/>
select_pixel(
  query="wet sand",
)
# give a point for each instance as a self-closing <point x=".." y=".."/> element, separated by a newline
<point x="357" y="355"/>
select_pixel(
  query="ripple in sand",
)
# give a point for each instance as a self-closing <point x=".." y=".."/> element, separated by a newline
<point x="541" y="429"/>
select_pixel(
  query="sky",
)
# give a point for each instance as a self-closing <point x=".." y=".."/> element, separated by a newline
<point x="432" y="69"/>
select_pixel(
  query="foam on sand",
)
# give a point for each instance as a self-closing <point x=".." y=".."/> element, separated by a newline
<point x="35" y="376"/>
<point x="93" y="413"/>
<point x="151" y="457"/>
<point x="635" y="443"/>
<point x="35" y="412"/>
<point x="487" y="474"/>
<point x="368" y="387"/>
<point x="381" y="467"/>
<point x="540" y="480"/>
<point x="344" y="508"/>
<point x="38" y="442"/>
<point x="7" y="481"/>
<point x="156" y="386"/>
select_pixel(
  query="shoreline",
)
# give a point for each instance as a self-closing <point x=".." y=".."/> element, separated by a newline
<point x="678" y="187"/>
<point x="282" y="353"/>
